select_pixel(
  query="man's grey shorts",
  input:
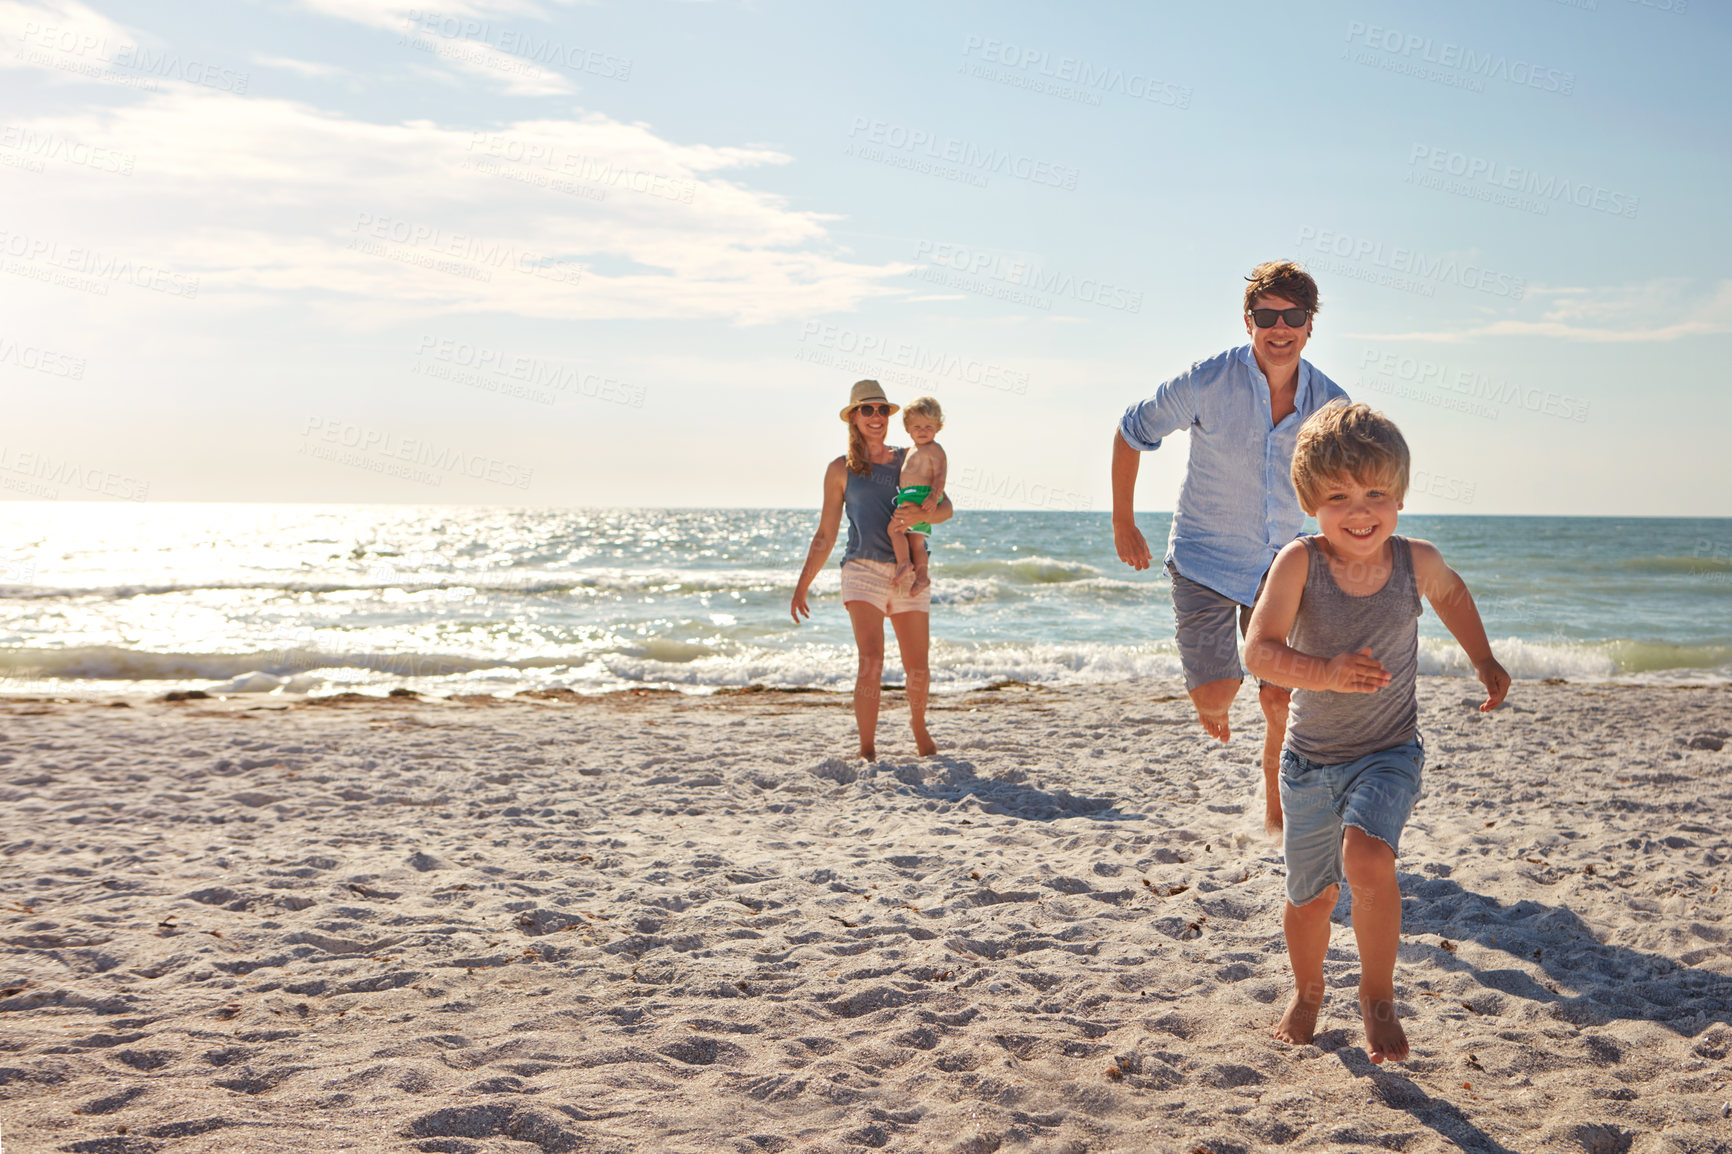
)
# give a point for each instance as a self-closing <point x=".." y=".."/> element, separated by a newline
<point x="1374" y="794"/>
<point x="1204" y="623"/>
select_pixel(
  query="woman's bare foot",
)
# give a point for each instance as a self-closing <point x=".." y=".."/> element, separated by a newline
<point x="1216" y="724"/>
<point x="1272" y="822"/>
<point x="867" y="753"/>
<point x="1299" y="1024"/>
<point x="1385" y="1040"/>
<point x="921" y="580"/>
<point x="923" y="743"/>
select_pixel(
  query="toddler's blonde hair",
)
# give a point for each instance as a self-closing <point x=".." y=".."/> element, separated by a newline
<point x="927" y="407"/>
<point x="1348" y="440"/>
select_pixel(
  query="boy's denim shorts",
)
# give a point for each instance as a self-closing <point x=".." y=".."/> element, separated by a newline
<point x="1374" y="793"/>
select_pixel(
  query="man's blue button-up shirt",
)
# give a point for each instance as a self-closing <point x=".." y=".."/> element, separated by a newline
<point x="1237" y="507"/>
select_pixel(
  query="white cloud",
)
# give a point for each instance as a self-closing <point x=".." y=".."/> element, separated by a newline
<point x="1659" y="310"/>
<point x="263" y="197"/>
<point x="305" y="68"/>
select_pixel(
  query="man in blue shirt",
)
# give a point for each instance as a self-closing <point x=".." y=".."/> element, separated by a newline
<point x="1236" y="506"/>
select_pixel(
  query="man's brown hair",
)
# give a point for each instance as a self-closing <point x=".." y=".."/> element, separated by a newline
<point x="1345" y="439"/>
<point x="1282" y="278"/>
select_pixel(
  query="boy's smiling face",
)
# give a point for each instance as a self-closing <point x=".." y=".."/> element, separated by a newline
<point x="1355" y="517"/>
<point x="922" y="430"/>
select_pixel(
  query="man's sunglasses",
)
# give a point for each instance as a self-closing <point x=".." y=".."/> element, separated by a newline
<point x="1265" y="318"/>
<point x="880" y="410"/>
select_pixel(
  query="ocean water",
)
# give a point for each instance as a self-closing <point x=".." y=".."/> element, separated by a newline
<point x="127" y="598"/>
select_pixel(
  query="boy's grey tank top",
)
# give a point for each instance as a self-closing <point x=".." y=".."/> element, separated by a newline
<point x="870" y="501"/>
<point x="1330" y="727"/>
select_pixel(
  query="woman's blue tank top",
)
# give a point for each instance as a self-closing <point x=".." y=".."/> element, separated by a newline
<point x="870" y="501"/>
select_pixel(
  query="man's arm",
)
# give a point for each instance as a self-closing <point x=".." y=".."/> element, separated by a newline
<point x="1267" y="654"/>
<point x="1173" y="407"/>
<point x="1132" y="548"/>
<point x="1450" y="599"/>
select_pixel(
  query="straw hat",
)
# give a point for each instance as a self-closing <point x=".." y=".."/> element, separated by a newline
<point x="862" y="392"/>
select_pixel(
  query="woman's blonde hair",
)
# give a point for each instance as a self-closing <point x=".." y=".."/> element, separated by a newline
<point x="927" y="407"/>
<point x="1348" y="440"/>
<point x="858" y="462"/>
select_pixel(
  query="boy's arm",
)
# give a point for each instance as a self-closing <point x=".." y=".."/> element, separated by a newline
<point x="940" y="472"/>
<point x="1447" y="592"/>
<point x="1267" y="654"/>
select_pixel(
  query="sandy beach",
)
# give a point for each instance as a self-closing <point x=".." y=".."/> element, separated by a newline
<point x="653" y="922"/>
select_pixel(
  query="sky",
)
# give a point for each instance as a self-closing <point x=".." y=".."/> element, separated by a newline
<point x="529" y="252"/>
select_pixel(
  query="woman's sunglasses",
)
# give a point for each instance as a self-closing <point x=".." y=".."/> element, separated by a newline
<point x="1265" y="318"/>
<point x="882" y="410"/>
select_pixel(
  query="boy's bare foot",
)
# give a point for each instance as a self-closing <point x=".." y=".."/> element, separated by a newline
<point x="1216" y="724"/>
<point x="1299" y="1024"/>
<point x="921" y="581"/>
<point x="923" y="743"/>
<point x="1385" y="1040"/>
<point x="904" y="574"/>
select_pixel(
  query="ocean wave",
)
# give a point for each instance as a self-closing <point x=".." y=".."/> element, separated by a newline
<point x="694" y="666"/>
<point x="1034" y="570"/>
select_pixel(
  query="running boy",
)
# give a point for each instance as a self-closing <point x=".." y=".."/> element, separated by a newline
<point x="1339" y="623"/>
<point x="922" y="483"/>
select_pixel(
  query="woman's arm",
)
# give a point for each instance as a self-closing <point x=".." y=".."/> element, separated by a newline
<point x="824" y="540"/>
<point x="907" y="515"/>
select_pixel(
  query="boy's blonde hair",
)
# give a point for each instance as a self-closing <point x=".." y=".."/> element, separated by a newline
<point x="1345" y="439"/>
<point x="927" y="407"/>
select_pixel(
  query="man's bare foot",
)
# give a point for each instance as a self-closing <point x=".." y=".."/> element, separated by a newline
<point x="1216" y="724"/>
<point x="923" y="743"/>
<point x="1272" y="822"/>
<point x="1299" y="1024"/>
<point x="1385" y="1040"/>
<point x="904" y="575"/>
<point x="921" y="580"/>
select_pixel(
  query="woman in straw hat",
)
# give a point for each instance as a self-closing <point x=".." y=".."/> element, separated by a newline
<point x="863" y="483"/>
